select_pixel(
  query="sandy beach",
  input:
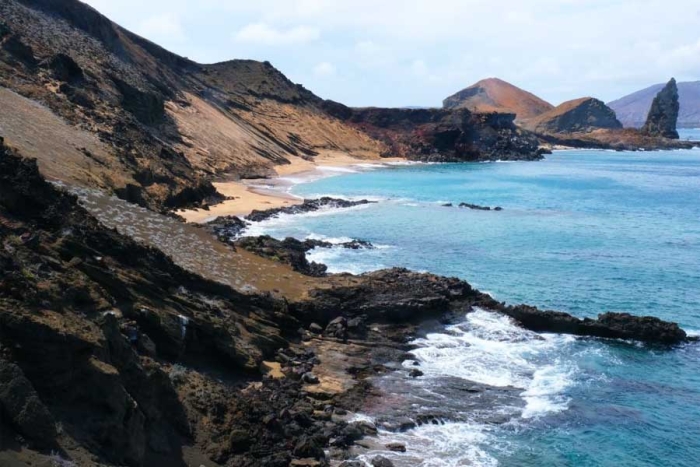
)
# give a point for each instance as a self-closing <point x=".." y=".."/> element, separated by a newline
<point x="259" y="194"/>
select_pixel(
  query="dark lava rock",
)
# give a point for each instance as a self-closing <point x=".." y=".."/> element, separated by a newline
<point x="392" y="295"/>
<point x="415" y="373"/>
<point x="309" y="378"/>
<point x="227" y="228"/>
<point x="475" y="206"/>
<point x="396" y="447"/>
<point x="663" y="114"/>
<point x="65" y="69"/>
<point x="309" y="448"/>
<point x="289" y="251"/>
<point x="146" y="106"/>
<point x="21" y="405"/>
<point x="309" y="205"/>
<point x="239" y="441"/>
<point x="647" y="329"/>
<point x="381" y="461"/>
<point x="441" y="135"/>
<point x="576" y="116"/>
<point x="19" y="50"/>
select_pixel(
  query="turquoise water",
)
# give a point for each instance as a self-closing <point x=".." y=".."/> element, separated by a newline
<point x="583" y="232"/>
<point x="692" y="134"/>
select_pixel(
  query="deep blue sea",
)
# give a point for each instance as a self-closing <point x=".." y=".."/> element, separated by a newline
<point x="583" y="232"/>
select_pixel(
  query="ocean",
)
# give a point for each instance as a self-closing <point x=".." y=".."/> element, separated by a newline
<point x="583" y="232"/>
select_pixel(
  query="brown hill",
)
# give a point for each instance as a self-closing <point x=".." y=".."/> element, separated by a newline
<point x="495" y="95"/>
<point x="575" y="116"/>
<point x="118" y="112"/>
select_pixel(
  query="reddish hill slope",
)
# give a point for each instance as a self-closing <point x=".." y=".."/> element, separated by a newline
<point x="496" y="95"/>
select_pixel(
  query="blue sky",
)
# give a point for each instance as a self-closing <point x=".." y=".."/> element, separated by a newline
<point x="417" y="52"/>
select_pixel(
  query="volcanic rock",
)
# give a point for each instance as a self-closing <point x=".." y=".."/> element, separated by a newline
<point x="442" y="135"/>
<point x="381" y="461"/>
<point x="576" y="116"/>
<point x="663" y="115"/>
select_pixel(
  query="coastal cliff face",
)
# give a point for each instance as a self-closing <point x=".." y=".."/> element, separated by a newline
<point x="496" y="95"/>
<point x="663" y="115"/>
<point x="576" y="116"/>
<point x="440" y="135"/>
<point x="99" y="106"/>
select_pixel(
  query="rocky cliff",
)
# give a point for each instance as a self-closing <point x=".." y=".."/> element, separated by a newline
<point x="102" y="107"/>
<point x="663" y="114"/>
<point x="441" y="135"/>
<point x="576" y="116"/>
<point x="496" y="95"/>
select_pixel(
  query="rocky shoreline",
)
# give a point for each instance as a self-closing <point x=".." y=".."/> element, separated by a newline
<point x="111" y="354"/>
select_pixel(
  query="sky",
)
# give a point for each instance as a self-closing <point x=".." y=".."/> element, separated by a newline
<point x="397" y="53"/>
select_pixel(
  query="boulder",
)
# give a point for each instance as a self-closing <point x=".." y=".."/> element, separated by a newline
<point x="309" y="448"/>
<point x="381" y="461"/>
<point x="396" y="447"/>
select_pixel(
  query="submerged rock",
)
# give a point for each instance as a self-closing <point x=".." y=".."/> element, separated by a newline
<point x="663" y="115"/>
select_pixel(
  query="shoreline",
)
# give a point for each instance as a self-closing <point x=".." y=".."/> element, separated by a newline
<point x="245" y="196"/>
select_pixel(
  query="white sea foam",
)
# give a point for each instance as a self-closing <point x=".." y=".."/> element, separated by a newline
<point x="448" y="445"/>
<point x="371" y="166"/>
<point x="332" y="168"/>
<point x="339" y="259"/>
<point x="489" y="348"/>
<point x="333" y="240"/>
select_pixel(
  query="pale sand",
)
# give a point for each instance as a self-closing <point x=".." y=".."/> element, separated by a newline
<point x="250" y="195"/>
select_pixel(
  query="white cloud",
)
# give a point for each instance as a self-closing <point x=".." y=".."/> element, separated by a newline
<point x="264" y="34"/>
<point x="559" y="49"/>
<point x="324" y="69"/>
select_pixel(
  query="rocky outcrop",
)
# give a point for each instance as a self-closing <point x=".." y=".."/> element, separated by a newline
<point x="288" y="251"/>
<point x="576" y="116"/>
<point x="663" y="115"/>
<point x="309" y="205"/>
<point x="608" y="325"/>
<point x="442" y="135"/>
<point x="293" y="252"/>
<point x="495" y="95"/>
<point x="632" y="110"/>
